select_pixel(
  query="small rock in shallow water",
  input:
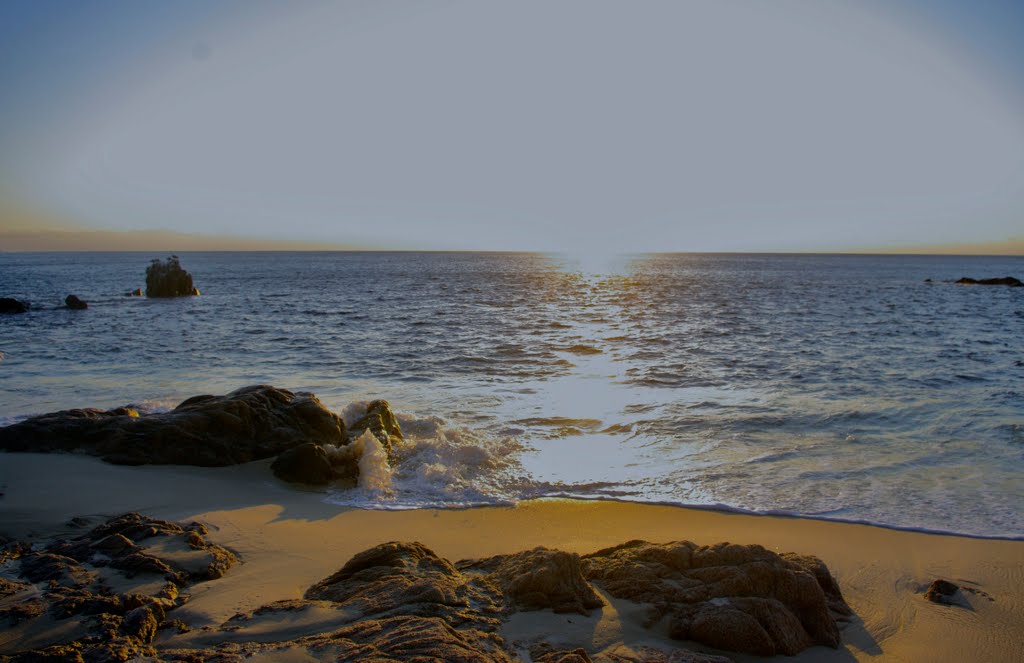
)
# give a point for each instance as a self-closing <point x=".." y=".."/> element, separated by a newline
<point x="9" y="305"/>
<point x="1006" y="280"/>
<point x="73" y="302"/>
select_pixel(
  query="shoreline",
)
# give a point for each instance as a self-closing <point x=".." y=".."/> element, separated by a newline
<point x="289" y="538"/>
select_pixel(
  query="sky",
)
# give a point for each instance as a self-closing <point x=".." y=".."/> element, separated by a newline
<point x="574" y="125"/>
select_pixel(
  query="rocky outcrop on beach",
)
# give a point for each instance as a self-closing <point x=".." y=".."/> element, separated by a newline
<point x="168" y="278"/>
<point x="400" y="601"/>
<point x="1006" y="280"/>
<point x="311" y="443"/>
<point x="106" y="593"/>
<point x="11" y="305"/>
<point x="73" y="302"/>
<point x="248" y="424"/>
<point x="307" y="463"/>
<point x="738" y="598"/>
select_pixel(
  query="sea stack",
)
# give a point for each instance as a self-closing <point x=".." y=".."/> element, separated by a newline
<point x="167" y="278"/>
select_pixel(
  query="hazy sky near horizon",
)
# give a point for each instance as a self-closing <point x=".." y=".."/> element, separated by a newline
<point x="569" y="125"/>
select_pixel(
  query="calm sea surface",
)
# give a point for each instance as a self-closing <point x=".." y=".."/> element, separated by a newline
<point x="834" y="386"/>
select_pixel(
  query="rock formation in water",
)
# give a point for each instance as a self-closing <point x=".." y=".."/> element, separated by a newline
<point x="10" y="305"/>
<point x="69" y="582"/>
<point x="168" y="279"/>
<point x="1006" y="280"/>
<point x="248" y="424"/>
<point x="401" y="601"/>
<point x="73" y="302"/>
<point x="381" y="421"/>
<point x="134" y="293"/>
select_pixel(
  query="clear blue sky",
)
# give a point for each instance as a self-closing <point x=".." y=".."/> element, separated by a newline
<point x="589" y="125"/>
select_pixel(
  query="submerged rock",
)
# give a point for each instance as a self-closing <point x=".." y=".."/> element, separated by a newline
<point x="739" y="598"/>
<point x="10" y="305"/>
<point x="248" y="424"/>
<point x="168" y="279"/>
<point x="1006" y="280"/>
<point x="73" y="302"/>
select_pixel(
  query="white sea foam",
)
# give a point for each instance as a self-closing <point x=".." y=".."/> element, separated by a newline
<point x="374" y="470"/>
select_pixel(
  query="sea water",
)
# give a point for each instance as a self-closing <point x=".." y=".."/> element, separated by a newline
<point x="833" y="386"/>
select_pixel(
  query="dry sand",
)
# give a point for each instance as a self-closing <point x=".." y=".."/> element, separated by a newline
<point x="289" y="539"/>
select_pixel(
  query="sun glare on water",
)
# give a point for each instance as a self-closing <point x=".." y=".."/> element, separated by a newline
<point x="594" y="265"/>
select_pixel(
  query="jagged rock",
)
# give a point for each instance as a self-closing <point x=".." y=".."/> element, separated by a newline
<point x="306" y="463"/>
<point x="168" y="279"/>
<point x="248" y="424"/>
<point x="56" y="654"/>
<point x="143" y="622"/>
<point x="405" y="638"/>
<point x="61" y="570"/>
<point x="382" y="422"/>
<point x="407" y="578"/>
<point x="11" y="587"/>
<point x="942" y="591"/>
<point x="120" y="626"/>
<point x="73" y="302"/>
<point x="1006" y="280"/>
<point x="538" y="579"/>
<point x="9" y="305"/>
<point x="739" y="598"/>
<point x="578" y="655"/>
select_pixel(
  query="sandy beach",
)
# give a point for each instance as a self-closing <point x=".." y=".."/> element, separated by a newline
<point x="288" y="539"/>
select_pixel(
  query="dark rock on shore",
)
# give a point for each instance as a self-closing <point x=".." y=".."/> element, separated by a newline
<point x="73" y="302"/>
<point x="540" y="578"/>
<point x="942" y="591"/>
<point x="10" y="305"/>
<point x="62" y="581"/>
<point x="1006" y="280"/>
<point x="739" y="598"/>
<point x="248" y="424"/>
<point x="400" y="601"/>
<point x="306" y="463"/>
<point x="311" y="464"/>
<point x="168" y="279"/>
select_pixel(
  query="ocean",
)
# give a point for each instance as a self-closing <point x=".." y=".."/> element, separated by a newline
<point x="832" y="386"/>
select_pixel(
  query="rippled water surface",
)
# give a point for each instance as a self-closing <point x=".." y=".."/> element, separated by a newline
<point x="836" y="386"/>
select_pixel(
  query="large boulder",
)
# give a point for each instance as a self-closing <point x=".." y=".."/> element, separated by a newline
<point x="539" y="579"/>
<point x="1006" y="280"/>
<point x="10" y="305"/>
<point x="167" y="278"/>
<point x="740" y="598"/>
<point x="404" y="578"/>
<point x="307" y="463"/>
<point x="248" y="424"/>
